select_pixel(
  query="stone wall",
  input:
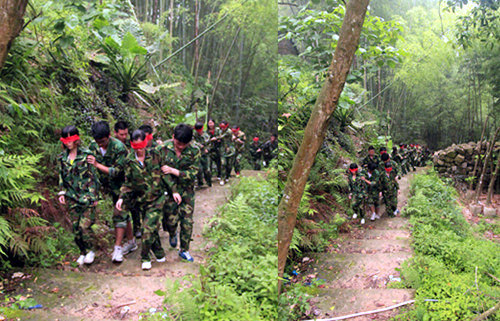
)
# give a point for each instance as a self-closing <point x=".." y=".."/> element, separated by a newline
<point x="458" y="160"/>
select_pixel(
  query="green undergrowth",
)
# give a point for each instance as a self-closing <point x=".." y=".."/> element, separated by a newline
<point x="451" y="264"/>
<point x="239" y="280"/>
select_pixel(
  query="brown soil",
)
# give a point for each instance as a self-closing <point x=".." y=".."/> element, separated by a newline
<point x="99" y="291"/>
<point x="358" y="267"/>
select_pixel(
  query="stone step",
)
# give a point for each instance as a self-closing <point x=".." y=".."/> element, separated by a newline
<point x="335" y="302"/>
<point x="373" y="246"/>
<point x="377" y="234"/>
<point x="358" y="271"/>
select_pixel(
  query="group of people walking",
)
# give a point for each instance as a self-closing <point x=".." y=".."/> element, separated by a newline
<point x="151" y="183"/>
<point x="376" y="182"/>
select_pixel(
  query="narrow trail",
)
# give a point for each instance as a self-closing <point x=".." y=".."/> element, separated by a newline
<point x="358" y="271"/>
<point x="97" y="292"/>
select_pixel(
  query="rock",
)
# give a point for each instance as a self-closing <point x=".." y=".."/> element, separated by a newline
<point x="476" y="209"/>
<point x="451" y="154"/>
<point x="440" y="162"/>
<point x="459" y="159"/>
<point x="454" y="169"/>
<point x="464" y="165"/>
<point x="490" y="212"/>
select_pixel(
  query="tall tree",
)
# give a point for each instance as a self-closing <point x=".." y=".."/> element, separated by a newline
<point x="11" y="24"/>
<point x="316" y="127"/>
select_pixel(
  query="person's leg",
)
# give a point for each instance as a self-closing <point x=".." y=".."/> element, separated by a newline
<point x="186" y="210"/>
<point x="205" y="169"/>
<point x="75" y="213"/>
<point x="151" y="225"/>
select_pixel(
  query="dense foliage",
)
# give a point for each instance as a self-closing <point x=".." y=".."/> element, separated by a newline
<point x="239" y="279"/>
<point x="451" y="264"/>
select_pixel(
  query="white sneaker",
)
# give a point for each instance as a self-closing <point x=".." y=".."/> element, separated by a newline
<point x="362" y="221"/>
<point x="377" y="216"/>
<point x="80" y="260"/>
<point x="146" y="265"/>
<point x="354" y="216"/>
<point x="222" y="182"/>
<point x="89" y="258"/>
<point x="130" y="246"/>
<point x="163" y="259"/>
<point x="396" y="212"/>
<point x="373" y="217"/>
<point x="117" y="254"/>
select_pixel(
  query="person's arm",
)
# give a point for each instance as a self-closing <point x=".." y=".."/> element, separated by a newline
<point x="62" y="190"/>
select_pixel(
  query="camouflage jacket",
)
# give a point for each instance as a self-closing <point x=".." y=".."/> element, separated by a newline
<point x="367" y="160"/>
<point x="253" y="150"/>
<point x="239" y="147"/>
<point x="187" y="164"/>
<point x="374" y="188"/>
<point x="214" y="146"/>
<point x="389" y="183"/>
<point x="145" y="183"/>
<point x="356" y="186"/>
<point x="114" y="158"/>
<point x="227" y="145"/>
<point x="78" y="181"/>
<point x="201" y="141"/>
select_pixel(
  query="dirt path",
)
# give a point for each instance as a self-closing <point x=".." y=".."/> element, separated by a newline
<point x="97" y="291"/>
<point x="358" y="271"/>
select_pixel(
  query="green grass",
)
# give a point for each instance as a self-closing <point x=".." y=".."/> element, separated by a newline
<point x="447" y="255"/>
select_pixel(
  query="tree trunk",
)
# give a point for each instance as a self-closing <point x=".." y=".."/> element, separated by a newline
<point x="219" y="74"/>
<point x="491" y="187"/>
<point x="479" y="189"/>
<point x="480" y="147"/>
<point x="315" y="131"/>
<point x="11" y="24"/>
<point x="171" y="24"/>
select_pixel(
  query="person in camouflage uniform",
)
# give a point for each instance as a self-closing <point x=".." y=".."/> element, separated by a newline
<point x="390" y="187"/>
<point x="149" y="135"/>
<point x="201" y="140"/>
<point x="214" y="148"/>
<point x="108" y="157"/>
<point x="147" y="189"/>
<point x="78" y="186"/>
<point x="121" y="133"/>
<point x="181" y="163"/>
<point x="372" y="177"/>
<point x="270" y="150"/>
<point x="228" y="151"/>
<point x="238" y="139"/>
<point x="370" y="158"/>
<point x="256" y="153"/>
<point x="357" y="192"/>
<point x="405" y="166"/>
<point x="395" y="156"/>
<point x="386" y="158"/>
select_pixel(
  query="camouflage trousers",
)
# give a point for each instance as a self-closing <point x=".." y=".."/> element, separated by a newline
<point x="151" y="237"/>
<point x="390" y="199"/>
<point x="215" y="158"/>
<point x="203" y="170"/>
<point x="228" y="163"/>
<point x="182" y="214"/>
<point x="120" y="218"/>
<point x="373" y="199"/>
<point x="358" y="205"/>
<point x="137" y="210"/>
<point x="82" y="219"/>
<point x="256" y="163"/>
<point x="237" y="160"/>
